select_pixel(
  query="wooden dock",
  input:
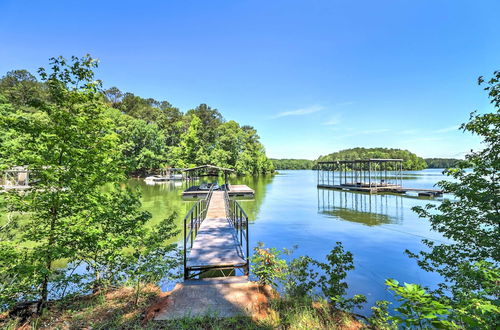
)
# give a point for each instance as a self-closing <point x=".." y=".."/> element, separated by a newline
<point x="216" y="237"/>
<point x="385" y="188"/>
<point x="233" y="191"/>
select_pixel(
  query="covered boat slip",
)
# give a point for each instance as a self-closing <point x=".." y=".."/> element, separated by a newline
<point x="197" y="173"/>
<point x="367" y="175"/>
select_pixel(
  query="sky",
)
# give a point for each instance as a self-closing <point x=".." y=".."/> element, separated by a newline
<point x="313" y="77"/>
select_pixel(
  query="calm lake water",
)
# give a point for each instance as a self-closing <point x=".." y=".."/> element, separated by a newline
<point x="290" y="210"/>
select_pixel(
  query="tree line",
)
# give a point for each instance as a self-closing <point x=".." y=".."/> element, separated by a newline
<point x="410" y="160"/>
<point x="441" y="162"/>
<point x="292" y="164"/>
<point x="155" y="134"/>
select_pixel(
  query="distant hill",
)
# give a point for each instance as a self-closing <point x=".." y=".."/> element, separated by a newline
<point x="441" y="162"/>
<point x="410" y="160"/>
<point x="292" y="164"/>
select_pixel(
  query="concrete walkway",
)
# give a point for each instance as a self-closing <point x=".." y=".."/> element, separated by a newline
<point x="214" y="297"/>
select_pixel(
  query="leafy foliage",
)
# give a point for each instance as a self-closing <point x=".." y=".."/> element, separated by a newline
<point x="303" y="275"/>
<point x="410" y="160"/>
<point x="153" y="134"/>
<point x="268" y="266"/>
<point x="75" y="210"/>
<point x="418" y="308"/>
<point x="332" y="282"/>
<point x="471" y="219"/>
<point x="380" y="318"/>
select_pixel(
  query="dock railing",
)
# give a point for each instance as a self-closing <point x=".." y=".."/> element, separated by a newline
<point x="239" y="220"/>
<point x="192" y="221"/>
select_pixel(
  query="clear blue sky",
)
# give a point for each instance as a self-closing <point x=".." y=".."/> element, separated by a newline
<point x="312" y="76"/>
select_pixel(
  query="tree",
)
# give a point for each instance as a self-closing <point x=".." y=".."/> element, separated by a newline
<point x="72" y="149"/>
<point x="210" y="120"/>
<point x="471" y="220"/>
<point x="113" y="96"/>
<point x="22" y="88"/>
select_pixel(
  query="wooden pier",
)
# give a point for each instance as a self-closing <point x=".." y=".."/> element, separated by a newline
<point x="215" y="236"/>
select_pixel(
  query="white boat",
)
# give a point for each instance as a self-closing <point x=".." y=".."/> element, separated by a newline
<point x="157" y="178"/>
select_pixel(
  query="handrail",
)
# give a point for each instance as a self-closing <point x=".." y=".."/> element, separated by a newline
<point x="193" y="220"/>
<point x="239" y="220"/>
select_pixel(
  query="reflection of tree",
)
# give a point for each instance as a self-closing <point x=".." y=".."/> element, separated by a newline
<point x="368" y="209"/>
<point x="161" y="200"/>
<point x="259" y="185"/>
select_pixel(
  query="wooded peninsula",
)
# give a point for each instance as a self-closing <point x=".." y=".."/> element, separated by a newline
<point x="410" y="160"/>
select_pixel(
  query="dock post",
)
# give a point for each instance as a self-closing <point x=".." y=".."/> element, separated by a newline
<point x="248" y="249"/>
<point x="370" y="174"/>
<point x="186" y="274"/>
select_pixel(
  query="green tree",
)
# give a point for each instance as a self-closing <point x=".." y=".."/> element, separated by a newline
<point x="21" y="88"/>
<point x="418" y="309"/>
<point x="471" y="219"/>
<point x="73" y="151"/>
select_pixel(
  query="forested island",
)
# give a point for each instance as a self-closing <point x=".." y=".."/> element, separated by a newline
<point x="154" y="134"/>
<point x="410" y="160"/>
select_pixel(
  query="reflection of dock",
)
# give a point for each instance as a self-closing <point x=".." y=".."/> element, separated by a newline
<point x="234" y="190"/>
<point x="364" y="208"/>
<point x="370" y="176"/>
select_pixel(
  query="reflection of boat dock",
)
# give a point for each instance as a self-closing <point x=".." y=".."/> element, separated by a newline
<point x="365" y="208"/>
<point x="370" y="175"/>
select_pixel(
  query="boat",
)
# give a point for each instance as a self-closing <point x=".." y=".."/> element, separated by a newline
<point x="157" y="178"/>
<point x="208" y="186"/>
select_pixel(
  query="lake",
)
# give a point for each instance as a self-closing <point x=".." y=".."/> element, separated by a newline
<point x="288" y="210"/>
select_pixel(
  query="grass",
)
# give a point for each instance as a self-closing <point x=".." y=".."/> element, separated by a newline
<point x="116" y="310"/>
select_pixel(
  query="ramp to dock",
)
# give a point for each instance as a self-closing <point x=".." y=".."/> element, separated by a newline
<point x="216" y="244"/>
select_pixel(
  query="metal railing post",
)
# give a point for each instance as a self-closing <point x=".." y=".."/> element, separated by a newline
<point x="186" y="272"/>
<point x="248" y="250"/>
<point x="192" y="231"/>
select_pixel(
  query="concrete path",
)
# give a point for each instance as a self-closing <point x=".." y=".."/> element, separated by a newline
<point x="215" y="297"/>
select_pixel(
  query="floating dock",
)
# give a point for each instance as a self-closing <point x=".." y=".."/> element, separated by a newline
<point x="235" y="190"/>
<point x="396" y="189"/>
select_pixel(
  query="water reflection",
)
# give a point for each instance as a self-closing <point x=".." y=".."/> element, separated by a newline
<point x="367" y="209"/>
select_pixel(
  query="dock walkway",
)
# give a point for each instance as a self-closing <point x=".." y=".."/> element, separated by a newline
<point x="216" y="244"/>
